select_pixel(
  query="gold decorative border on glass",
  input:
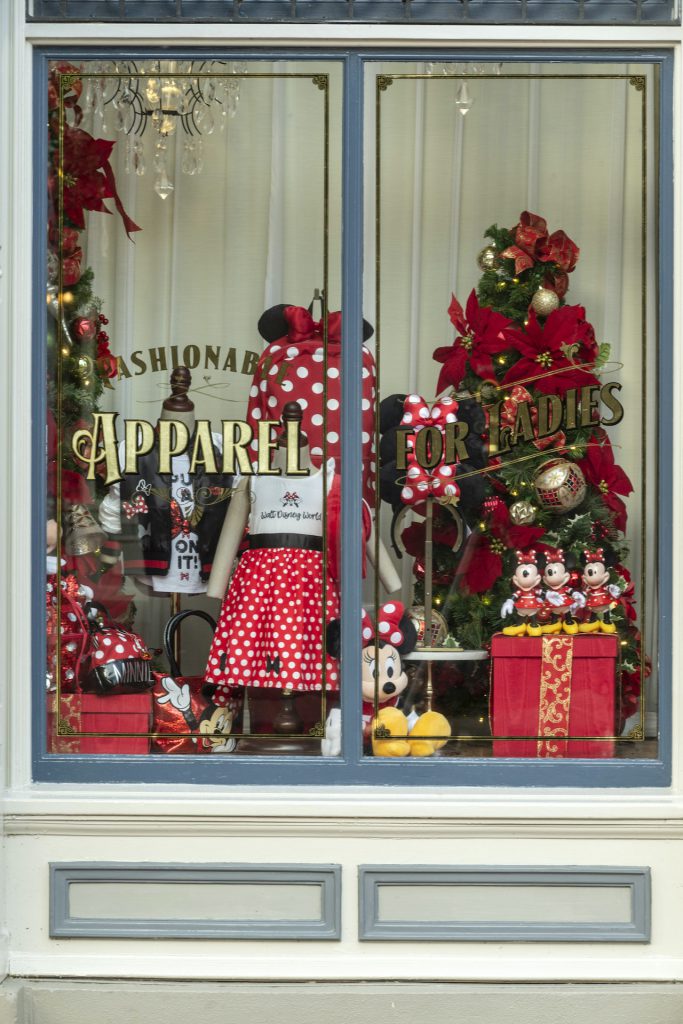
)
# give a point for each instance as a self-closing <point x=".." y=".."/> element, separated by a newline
<point x="322" y="82"/>
<point x="639" y="82"/>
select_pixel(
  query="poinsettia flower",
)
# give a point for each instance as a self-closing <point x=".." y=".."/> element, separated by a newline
<point x="482" y="561"/>
<point x="88" y="178"/>
<point x="85" y="183"/>
<point x="552" y="355"/>
<point x="480" y="335"/>
<point x="600" y="469"/>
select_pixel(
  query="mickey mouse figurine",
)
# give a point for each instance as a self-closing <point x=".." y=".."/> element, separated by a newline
<point x="600" y="595"/>
<point x="527" y="600"/>
<point x="391" y="733"/>
<point x="560" y="599"/>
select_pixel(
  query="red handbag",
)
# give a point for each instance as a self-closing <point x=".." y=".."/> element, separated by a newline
<point x="186" y="720"/>
<point x="116" y="661"/>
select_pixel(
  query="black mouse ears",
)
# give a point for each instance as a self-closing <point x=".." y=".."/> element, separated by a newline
<point x="273" y="324"/>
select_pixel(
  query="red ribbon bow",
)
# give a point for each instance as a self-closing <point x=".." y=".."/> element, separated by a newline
<point x="508" y="417"/>
<point x="388" y="625"/>
<point x="179" y="523"/>
<point x="302" y="326"/>
<point x="138" y="506"/>
<point x="422" y="483"/>
<point x="417" y="413"/>
<point x="533" y="243"/>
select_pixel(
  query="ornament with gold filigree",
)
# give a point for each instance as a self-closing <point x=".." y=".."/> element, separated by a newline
<point x="523" y="512"/>
<point x="560" y="486"/>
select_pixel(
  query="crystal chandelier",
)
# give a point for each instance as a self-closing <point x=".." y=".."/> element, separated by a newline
<point x="191" y="98"/>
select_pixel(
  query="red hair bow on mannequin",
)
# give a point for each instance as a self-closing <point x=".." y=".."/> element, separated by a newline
<point x="302" y="326"/>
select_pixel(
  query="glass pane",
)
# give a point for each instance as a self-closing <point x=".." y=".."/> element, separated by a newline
<point x="511" y="223"/>
<point x="193" y="406"/>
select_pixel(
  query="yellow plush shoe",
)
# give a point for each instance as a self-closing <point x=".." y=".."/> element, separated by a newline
<point x="571" y="628"/>
<point x="431" y="724"/>
<point x="396" y="724"/>
<point x="589" y="627"/>
<point x="607" y="627"/>
<point x="552" y="627"/>
<point x="515" y="630"/>
<point x="534" y="630"/>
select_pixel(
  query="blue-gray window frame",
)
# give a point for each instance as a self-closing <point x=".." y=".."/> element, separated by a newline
<point x="352" y="768"/>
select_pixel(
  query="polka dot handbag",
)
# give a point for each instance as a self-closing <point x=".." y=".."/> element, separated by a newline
<point x="116" y="661"/>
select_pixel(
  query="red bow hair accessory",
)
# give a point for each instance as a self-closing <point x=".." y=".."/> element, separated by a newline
<point x="388" y="625"/>
<point x="417" y="413"/>
<point x="554" y="555"/>
<point x="421" y="483"/>
<point x="302" y="326"/>
<point x="526" y="557"/>
<point x="594" y="556"/>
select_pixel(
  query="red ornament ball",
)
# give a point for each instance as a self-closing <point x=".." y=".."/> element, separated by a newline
<point x="103" y="336"/>
<point x="102" y="319"/>
<point x="83" y="328"/>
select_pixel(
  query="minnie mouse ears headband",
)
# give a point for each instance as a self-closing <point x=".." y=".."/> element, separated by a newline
<point x="388" y="625"/>
<point x="273" y="324"/>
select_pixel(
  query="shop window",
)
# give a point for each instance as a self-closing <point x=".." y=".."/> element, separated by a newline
<point x="215" y="423"/>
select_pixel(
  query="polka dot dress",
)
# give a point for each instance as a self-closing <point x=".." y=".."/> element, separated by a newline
<point x="289" y="372"/>
<point x="270" y="630"/>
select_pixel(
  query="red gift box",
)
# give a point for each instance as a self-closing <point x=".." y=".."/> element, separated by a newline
<point x="555" y="687"/>
<point x="88" y="712"/>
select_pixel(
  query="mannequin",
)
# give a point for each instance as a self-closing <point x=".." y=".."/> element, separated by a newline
<point x="168" y="534"/>
<point x="238" y="515"/>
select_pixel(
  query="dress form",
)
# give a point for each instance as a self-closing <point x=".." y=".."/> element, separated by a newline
<point x="238" y="515"/>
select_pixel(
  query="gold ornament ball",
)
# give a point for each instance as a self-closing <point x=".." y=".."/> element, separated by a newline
<point x="545" y="301"/>
<point x="522" y="513"/>
<point x="84" y="366"/>
<point x="487" y="258"/>
<point x="560" y="486"/>
<point x="501" y="286"/>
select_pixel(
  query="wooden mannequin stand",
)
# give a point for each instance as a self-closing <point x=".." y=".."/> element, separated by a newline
<point x="179" y="407"/>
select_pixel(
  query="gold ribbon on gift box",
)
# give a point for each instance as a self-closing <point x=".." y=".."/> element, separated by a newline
<point x="555" y="695"/>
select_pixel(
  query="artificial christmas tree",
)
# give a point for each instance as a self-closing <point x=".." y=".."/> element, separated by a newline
<point x="531" y="362"/>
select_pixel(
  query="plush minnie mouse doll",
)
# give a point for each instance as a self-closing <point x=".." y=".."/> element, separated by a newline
<point x="391" y="733"/>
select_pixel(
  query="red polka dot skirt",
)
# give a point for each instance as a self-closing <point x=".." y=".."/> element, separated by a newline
<point x="269" y="633"/>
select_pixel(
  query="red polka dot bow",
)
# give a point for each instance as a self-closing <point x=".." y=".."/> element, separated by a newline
<point x="417" y="413"/>
<point x="138" y="506"/>
<point x="436" y="483"/>
<point x="388" y="625"/>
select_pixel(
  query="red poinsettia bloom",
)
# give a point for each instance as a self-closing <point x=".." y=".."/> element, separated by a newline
<point x="553" y="356"/>
<point x="480" y="335"/>
<point x="86" y="185"/>
<point x="600" y="469"/>
<point x="88" y="178"/>
<point x="482" y="562"/>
